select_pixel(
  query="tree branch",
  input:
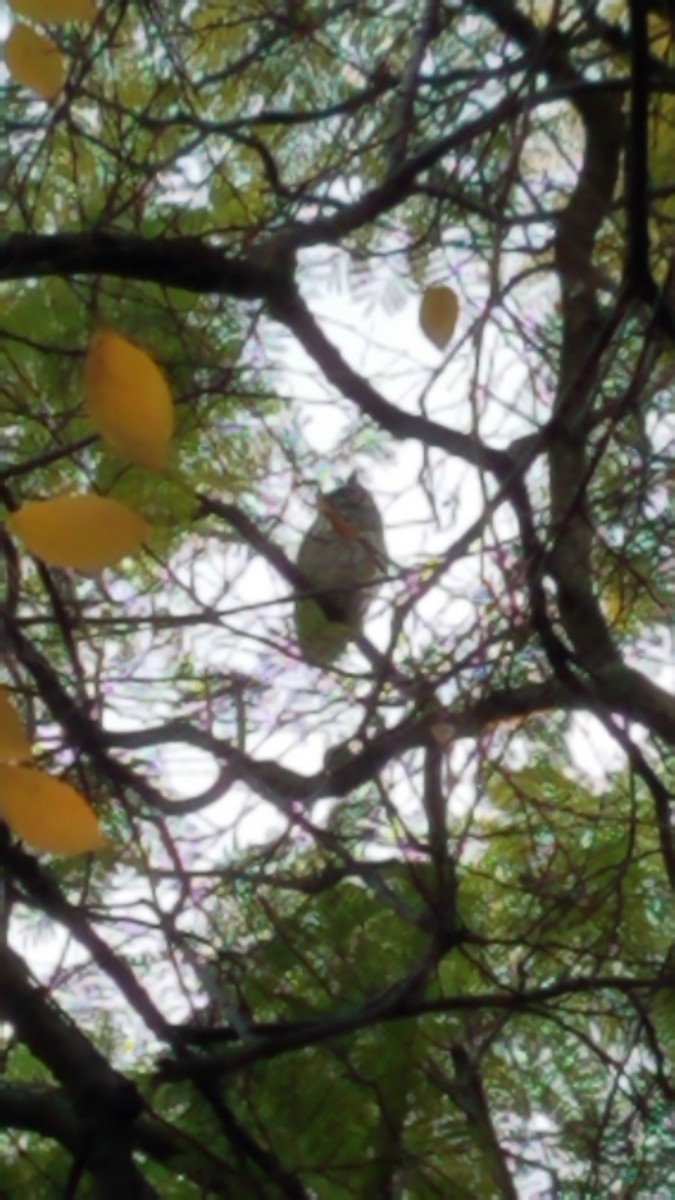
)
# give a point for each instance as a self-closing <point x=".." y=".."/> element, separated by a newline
<point x="107" y="1105"/>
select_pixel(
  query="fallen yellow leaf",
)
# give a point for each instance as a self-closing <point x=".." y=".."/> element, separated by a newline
<point x="128" y="399"/>
<point x="34" y="61"/>
<point x="55" y="11"/>
<point x="86" y="533"/>
<point x="48" y="813"/>
<point x="438" y="315"/>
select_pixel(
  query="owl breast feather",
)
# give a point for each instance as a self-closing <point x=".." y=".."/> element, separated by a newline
<point x="340" y="568"/>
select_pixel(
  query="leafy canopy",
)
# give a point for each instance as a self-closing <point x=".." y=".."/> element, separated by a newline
<point x="400" y="925"/>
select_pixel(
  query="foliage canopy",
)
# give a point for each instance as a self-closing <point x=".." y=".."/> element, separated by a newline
<point x="402" y="926"/>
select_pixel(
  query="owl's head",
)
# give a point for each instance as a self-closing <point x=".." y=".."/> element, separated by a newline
<point x="353" y="502"/>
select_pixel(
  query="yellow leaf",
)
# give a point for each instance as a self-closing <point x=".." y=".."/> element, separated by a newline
<point x="14" y="744"/>
<point x="55" y="11"/>
<point x="48" y="813"/>
<point x="438" y="315"/>
<point x="34" y="61"/>
<point x="128" y="399"/>
<point x="83" y="532"/>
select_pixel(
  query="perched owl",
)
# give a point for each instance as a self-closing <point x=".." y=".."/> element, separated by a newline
<point x="341" y="557"/>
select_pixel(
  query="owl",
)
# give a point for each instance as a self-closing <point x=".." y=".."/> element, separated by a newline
<point x="342" y="556"/>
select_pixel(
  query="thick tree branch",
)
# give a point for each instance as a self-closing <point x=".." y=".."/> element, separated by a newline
<point x="637" y="272"/>
<point x="286" y="788"/>
<point x="528" y="1002"/>
<point x="107" y="1104"/>
<point x="184" y="262"/>
<point x="35" y="883"/>
<point x="47" y="1111"/>
<point x="468" y="1093"/>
